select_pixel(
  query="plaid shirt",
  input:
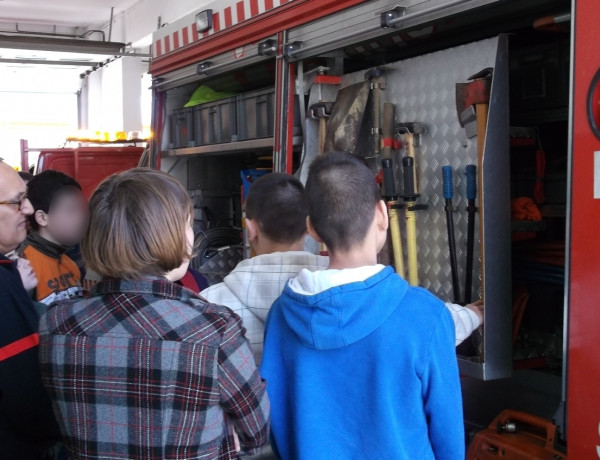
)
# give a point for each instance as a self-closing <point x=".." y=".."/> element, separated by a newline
<point x="254" y="284"/>
<point x="149" y="370"/>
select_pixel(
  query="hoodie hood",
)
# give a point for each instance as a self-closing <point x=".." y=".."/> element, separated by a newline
<point x="258" y="281"/>
<point x="329" y="309"/>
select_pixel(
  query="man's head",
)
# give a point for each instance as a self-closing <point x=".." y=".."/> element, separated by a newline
<point x="60" y="209"/>
<point x="344" y="204"/>
<point x="276" y="214"/>
<point x="14" y="209"/>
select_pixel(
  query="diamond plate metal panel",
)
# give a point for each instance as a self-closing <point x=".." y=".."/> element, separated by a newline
<point x="423" y="90"/>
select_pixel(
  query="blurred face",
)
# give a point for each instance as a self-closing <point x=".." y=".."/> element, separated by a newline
<point x="67" y="220"/>
<point x="13" y="217"/>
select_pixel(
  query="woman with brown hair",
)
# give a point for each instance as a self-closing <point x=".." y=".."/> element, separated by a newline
<point x="146" y="369"/>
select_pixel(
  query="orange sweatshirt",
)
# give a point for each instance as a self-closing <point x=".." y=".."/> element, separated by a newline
<point x="58" y="276"/>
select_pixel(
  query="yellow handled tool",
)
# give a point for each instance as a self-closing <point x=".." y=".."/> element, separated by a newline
<point x="393" y="213"/>
<point x="410" y="198"/>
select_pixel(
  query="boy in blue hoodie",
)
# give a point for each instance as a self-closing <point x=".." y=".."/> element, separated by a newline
<point x="359" y="364"/>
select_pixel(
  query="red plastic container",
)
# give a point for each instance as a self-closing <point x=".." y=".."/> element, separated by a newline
<point x="514" y="435"/>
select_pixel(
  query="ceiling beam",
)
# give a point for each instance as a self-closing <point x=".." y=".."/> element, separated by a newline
<point x="61" y="44"/>
<point x="49" y="62"/>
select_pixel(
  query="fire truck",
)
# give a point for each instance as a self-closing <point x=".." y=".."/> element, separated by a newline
<point x="482" y="120"/>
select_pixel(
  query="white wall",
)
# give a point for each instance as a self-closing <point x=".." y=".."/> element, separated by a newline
<point x="136" y="24"/>
<point x="113" y="93"/>
<point x="113" y="96"/>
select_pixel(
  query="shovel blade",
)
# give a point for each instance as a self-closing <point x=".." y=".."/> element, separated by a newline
<point x="344" y="124"/>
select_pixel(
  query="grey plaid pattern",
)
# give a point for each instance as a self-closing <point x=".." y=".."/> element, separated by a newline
<point x="149" y="370"/>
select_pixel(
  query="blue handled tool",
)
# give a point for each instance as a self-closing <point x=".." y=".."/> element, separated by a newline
<point x="448" y="185"/>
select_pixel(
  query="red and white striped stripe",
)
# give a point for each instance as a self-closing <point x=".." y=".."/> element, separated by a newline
<point x="229" y="13"/>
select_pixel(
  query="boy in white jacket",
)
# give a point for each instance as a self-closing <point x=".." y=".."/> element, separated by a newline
<point x="276" y="213"/>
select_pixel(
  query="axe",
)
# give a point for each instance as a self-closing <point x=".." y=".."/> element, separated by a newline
<point x="472" y="105"/>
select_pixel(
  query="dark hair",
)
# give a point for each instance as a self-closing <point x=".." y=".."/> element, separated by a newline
<point x="25" y="176"/>
<point x="44" y="188"/>
<point x="276" y="202"/>
<point x="342" y="195"/>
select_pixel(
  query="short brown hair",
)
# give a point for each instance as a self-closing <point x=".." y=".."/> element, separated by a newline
<point x="137" y="225"/>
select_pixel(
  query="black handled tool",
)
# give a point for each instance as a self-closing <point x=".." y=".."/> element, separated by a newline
<point x="471" y="209"/>
<point x="389" y="186"/>
<point x="448" y="195"/>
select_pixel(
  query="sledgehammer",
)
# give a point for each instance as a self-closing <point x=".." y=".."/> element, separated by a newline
<point x="412" y="133"/>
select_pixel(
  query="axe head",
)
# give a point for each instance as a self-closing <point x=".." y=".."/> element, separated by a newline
<point x="475" y="92"/>
<point x="468" y="120"/>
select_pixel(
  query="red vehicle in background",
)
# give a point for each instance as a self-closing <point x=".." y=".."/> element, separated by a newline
<point x="87" y="165"/>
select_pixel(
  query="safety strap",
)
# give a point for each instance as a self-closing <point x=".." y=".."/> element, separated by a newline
<point x="19" y="346"/>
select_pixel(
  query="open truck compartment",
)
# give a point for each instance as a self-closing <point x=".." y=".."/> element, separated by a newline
<point x="366" y="55"/>
<point x="245" y="117"/>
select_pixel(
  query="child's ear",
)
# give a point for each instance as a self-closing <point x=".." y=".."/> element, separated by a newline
<point x="381" y="216"/>
<point x="252" y="229"/>
<point x="311" y="230"/>
<point x="41" y="218"/>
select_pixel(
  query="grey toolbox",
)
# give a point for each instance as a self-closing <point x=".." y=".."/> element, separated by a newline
<point x="215" y="122"/>
<point x="256" y="112"/>
<point x="182" y="128"/>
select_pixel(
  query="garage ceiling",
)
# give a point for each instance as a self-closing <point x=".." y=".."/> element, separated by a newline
<point x="38" y="68"/>
<point x="62" y="13"/>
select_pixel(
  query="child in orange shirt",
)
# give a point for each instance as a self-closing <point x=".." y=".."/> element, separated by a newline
<point x="58" y="223"/>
